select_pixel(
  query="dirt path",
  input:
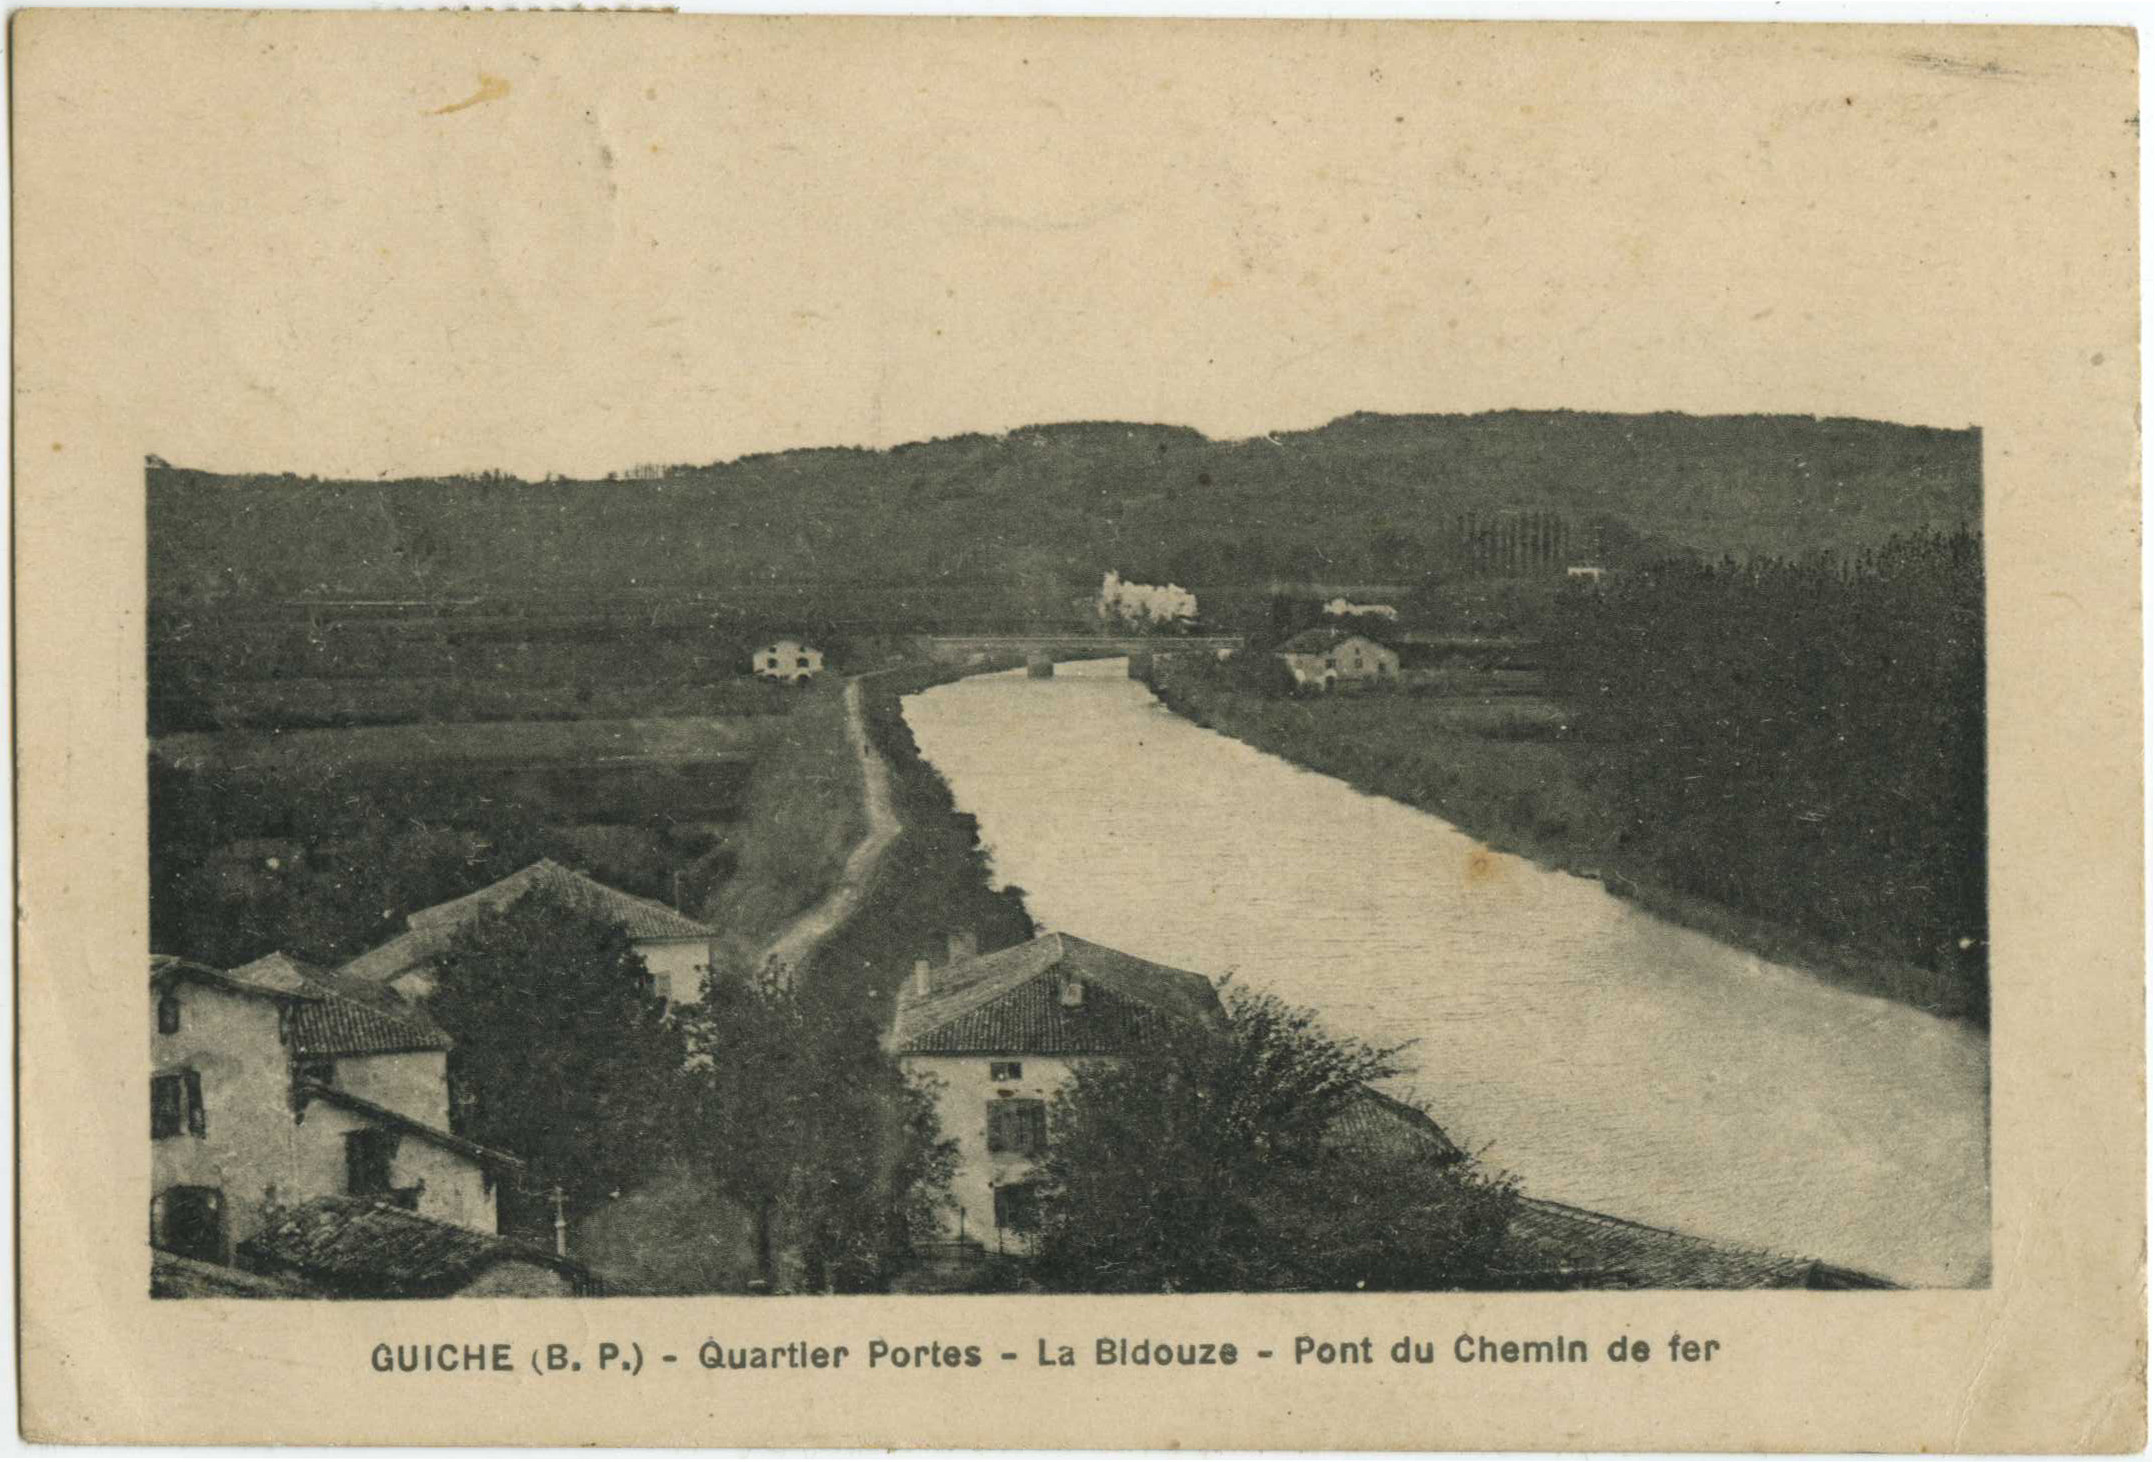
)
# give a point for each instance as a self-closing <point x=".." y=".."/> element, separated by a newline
<point x="799" y="938"/>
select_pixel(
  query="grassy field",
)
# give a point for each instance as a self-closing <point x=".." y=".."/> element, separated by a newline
<point x="648" y="739"/>
<point x="802" y="818"/>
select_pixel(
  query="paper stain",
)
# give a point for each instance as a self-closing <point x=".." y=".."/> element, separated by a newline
<point x="491" y="89"/>
<point x="1955" y="66"/>
<point x="1483" y="867"/>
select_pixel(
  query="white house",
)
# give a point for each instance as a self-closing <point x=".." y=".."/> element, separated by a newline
<point x="1143" y="605"/>
<point x="249" y="1112"/>
<point x="1001" y="1032"/>
<point x="1345" y="608"/>
<point x="1328" y="657"/>
<point x="676" y="948"/>
<point x="792" y="661"/>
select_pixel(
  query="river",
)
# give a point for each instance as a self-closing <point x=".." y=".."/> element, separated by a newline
<point x="1608" y="1058"/>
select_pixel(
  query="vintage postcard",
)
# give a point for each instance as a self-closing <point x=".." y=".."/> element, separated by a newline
<point x="1009" y="733"/>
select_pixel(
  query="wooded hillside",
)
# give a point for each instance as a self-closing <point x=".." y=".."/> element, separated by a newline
<point x="1035" y="515"/>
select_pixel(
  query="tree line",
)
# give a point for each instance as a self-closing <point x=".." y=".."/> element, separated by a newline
<point x="1802" y="740"/>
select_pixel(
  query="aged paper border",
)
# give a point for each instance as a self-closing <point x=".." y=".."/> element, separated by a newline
<point x="2049" y="1358"/>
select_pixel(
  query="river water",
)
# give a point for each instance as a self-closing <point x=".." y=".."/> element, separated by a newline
<point x="1610" y="1059"/>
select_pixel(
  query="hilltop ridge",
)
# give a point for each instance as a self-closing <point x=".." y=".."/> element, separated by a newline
<point x="1042" y="508"/>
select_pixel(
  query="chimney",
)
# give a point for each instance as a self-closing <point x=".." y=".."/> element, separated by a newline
<point x="920" y="977"/>
<point x="1073" y="994"/>
<point x="964" y="945"/>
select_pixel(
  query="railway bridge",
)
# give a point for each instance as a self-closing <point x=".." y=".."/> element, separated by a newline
<point x="1041" y="651"/>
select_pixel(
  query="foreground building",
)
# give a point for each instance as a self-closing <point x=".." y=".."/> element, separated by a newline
<point x="250" y="1110"/>
<point x="1001" y="1033"/>
<point x="675" y="948"/>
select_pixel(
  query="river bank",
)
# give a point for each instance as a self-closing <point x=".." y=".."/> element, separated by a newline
<point x="1534" y="797"/>
<point x="931" y="879"/>
<point x="803" y="819"/>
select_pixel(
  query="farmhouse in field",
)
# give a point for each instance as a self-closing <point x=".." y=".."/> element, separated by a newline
<point x="1327" y="657"/>
<point x="1002" y="1031"/>
<point x="792" y="661"/>
<point x="278" y="1083"/>
<point x="676" y="948"/>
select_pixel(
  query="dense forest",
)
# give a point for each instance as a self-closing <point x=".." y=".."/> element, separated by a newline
<point x="1801" y="741"/>
<point x="1011" y="526"/>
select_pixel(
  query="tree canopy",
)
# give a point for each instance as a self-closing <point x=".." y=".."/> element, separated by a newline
<point x="564" y="1055"/>
<point x="802" y="1120"/>
<point x="1213" y="1161"/>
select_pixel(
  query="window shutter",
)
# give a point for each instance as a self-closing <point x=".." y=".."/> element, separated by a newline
<point x="197" y="1119"/>
<point x="165" y="1104"/>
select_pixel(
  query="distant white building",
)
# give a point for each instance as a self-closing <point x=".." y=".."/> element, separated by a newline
<point x="1591" y="573"/>
<point x="1343" y="608"/>
<point x="1144" y="605"/>
<point x="789" y="660"/>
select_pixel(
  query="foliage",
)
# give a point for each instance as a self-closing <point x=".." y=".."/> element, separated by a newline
<point x="563" y="1055"/>
<point x="1258" y="672"/>
<point x="985" y="529"/>
<point x="1207" y="1161"/>
<point x="803" y="1121"/>
<point x="1803" y="741"/>
<point x="1789" y="756"/>
<point x="324" y="856"/>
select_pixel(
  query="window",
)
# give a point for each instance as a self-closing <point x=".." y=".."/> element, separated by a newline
<point x="189" y="1222"/>
<point x="367" y="1158"/>
<point x="662" y="986"/>
<point x="168" y="1016"/>
<point x="1019" y="1127"/>
<point x="1017" y="1208"/>
<point x="176" y="1104"/>
<point x="801" y="661"/>
<point x="1005" y="1070"/>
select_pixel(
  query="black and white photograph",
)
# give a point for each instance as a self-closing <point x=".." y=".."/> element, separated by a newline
<point x="1526" y="849"/>
<point x="1046" y="732"/>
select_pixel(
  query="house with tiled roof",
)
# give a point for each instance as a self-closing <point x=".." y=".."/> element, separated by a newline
<point x="1001" y="1033"/>
<point x="1324" y="658"/>
<point x="275" y="1082"/>
<point x="367" y="1040"/>
<point x="675" y="948"/>
<point x="360" y="1248"/>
